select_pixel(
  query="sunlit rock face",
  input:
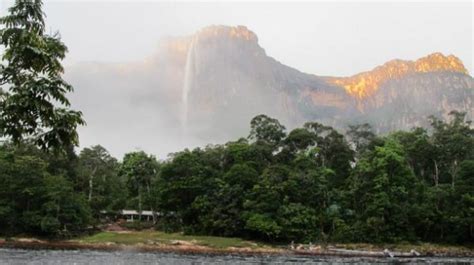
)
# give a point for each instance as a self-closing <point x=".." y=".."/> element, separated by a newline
<point x="401" y="94"/>
<point x="232" y="79"/>
<point x="229" y="79"/>
<point x="209" y="85"/>
<point x="366" y="84"/>
<point x="401" y="103"/>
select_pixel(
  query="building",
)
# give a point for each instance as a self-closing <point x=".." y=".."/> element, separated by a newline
<point x="131" y="215"/>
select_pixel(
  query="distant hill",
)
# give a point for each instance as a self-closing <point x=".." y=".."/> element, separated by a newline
<point x="209" y="85"/>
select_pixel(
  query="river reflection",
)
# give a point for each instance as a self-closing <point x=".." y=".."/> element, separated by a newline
<point x="20" y="256"/>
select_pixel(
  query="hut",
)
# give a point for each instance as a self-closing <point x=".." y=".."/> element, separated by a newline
<point x="132" y="215"/>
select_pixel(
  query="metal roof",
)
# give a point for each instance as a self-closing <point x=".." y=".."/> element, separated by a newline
<point x="134" y="212"/>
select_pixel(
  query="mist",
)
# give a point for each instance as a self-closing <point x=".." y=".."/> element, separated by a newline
<point x="130" y="90"/>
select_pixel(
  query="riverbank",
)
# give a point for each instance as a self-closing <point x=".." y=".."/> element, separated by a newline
<point x="149" y="241"/>
<point x="155" y="241"/>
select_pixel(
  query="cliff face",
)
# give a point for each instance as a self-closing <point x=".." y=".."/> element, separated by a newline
<point x="402" y="103"/>
<point x="233" y="77"/>
<point x="365" y="84"/>
<point x="212" y="83"/>
<point x="401" y="94"/>
<point x="228" y="79"/>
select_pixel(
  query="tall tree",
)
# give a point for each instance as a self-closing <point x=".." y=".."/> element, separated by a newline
<point x="331" y="150"/>
<point x="98" y="179"/>
<point x="465" y="190"/>
<point x="34" y="201"/>
<point x="383" y="191"/>
<point x="139" y="169"/>
<point x="454" y="142"/>
<point x="361" y="136"/>
<point x="266" y="129"/>
<point x="421" y="153"/>
<point x="33" y="102"/>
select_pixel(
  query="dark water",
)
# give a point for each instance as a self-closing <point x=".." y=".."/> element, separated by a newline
<point x="20" y="256"/>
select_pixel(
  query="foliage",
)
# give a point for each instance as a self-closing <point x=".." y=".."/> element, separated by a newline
<point x="311" y="185"/>
<point x="34" y="201"/>
<point x="266" y="129"/>
<point x="97" y="177"/>
<point x="33" y="102"/>
<point x="139" y="170"/>
<point x="315" y="185"/>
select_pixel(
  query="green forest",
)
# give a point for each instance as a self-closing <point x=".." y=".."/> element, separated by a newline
<point x="311" y="184"/>
<point x="308" y="184"/>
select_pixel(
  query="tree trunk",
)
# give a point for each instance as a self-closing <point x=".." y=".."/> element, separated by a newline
<point x="152" y="208"/>
<point x="436" y="175"/>
<point x="139" y="203"/>
<point x="454" y="169"/>
<point x="91" y="183"/>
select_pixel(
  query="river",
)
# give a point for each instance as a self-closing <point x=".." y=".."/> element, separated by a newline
<point x="57" y="257"/>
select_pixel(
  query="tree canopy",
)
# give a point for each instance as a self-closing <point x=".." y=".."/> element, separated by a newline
<point x="33" y="102"/>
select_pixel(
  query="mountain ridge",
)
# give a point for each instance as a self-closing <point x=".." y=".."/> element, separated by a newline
<point x="211" y="83"/>
<point x="360" y="85"/>
<point x="364" y="84"/>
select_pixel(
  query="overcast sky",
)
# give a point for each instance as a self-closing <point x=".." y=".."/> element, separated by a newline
<point x="319" y="37"/>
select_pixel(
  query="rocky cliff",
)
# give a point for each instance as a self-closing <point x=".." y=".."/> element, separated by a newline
<point x="232" y="79"/>
<point x="212" y="83"/>
<point x="228" y="79"/>
<point x="366" y="84"/>
<point x="401" y="94"/>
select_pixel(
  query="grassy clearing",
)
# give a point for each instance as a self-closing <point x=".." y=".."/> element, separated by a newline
<point x="153" y="237"/>
<point x="150" y="237"/>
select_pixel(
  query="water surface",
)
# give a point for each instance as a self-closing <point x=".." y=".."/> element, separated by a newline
<point x="21" y="256"/>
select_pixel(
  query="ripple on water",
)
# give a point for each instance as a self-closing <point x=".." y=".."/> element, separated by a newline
<point x="53" y="257"/>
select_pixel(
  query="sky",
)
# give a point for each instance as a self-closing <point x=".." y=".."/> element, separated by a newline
<point x="323" y="38"/>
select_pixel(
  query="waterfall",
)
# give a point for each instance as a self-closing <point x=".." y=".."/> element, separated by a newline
<point x="187" y="84"/>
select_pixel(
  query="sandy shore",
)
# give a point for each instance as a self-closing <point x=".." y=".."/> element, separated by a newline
<point x="25" y="243"/>
<point x="185" y="249"/>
